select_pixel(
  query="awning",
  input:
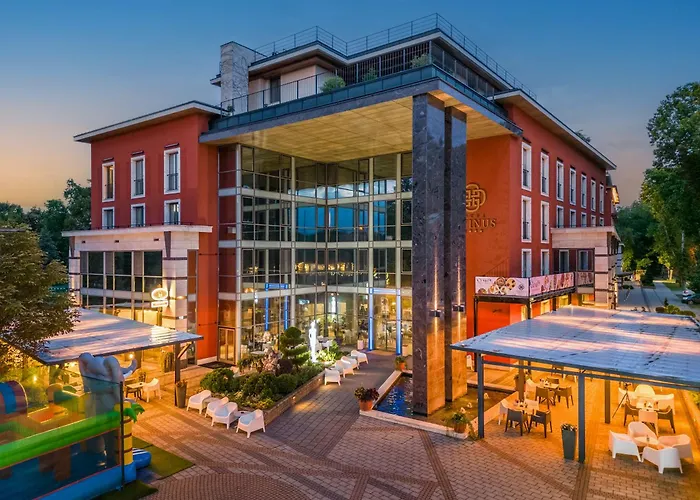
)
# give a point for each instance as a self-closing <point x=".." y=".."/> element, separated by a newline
<point x="647" y="346"/>
<point x="104" y="334"/>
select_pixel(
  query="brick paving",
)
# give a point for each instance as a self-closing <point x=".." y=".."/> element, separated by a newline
<point x="323" y="449"/>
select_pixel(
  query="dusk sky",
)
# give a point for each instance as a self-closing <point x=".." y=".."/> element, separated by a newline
<point x="69" y="67"/>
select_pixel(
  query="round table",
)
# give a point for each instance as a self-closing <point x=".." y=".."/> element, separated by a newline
<point x="642" y="441"/>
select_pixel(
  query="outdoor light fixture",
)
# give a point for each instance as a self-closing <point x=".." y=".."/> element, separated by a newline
<point x="458" y="308"/>
<point x="435" y="313"/>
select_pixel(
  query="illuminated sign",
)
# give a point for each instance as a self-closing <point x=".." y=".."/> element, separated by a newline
<point x="160" y="298"/>
<point x="475" y="199"/>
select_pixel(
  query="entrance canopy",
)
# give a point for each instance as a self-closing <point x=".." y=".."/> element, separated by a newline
<point x="647" y="346"/>
<point x="104" y="334"/>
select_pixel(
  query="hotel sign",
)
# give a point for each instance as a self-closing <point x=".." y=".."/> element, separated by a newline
<point x="475" y="199"/>
<point x="160" y="298"/>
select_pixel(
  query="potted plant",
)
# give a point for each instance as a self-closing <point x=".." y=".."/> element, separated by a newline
<point x="568" y="438"/>
<point x="366" y="397"/>
<point x="459" y="421"/>
<point x="400" y="363"/>
<point x="181" y="393"/>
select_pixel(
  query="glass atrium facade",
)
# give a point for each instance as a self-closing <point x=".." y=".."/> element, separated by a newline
<point x="304" y="241"/>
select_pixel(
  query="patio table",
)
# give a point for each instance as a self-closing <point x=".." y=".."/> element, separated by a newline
<point x="135" y="389"/>
<point x="642" y="441"/>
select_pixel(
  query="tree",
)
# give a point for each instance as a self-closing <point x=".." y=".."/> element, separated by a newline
<point x="11" y="214"/>
<point x="636" y="225"/>
<point x="29" y="312"/>
<point x="78" y="206"/>
<point x="293" y="346"/>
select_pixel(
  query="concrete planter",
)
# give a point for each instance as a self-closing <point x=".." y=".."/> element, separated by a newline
<point x="568" y="439"/>
<point x="293" y="398"/>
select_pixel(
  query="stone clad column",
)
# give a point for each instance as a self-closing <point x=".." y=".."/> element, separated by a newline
<point x="455" y="251"/>
<point x="428" y="253"/>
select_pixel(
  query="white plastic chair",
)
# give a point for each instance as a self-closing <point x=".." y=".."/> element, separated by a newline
<point x="666" y="400"/>
<point x="530" y="387"/>
<point x="503" y="410"/>
<point x="152" y="387"/>
<point x="650" y="417"/>
<point x="353" y="362"/>
<point x="621" y="396"/>
<point x="361" y="357"/>
<point x="251" y="422"/>
<point x="664" y="458"/>
<point x="331" y="375"/>
<point x="213" y="405"/>
<point x="644" y="391"/>
<point x="681" y="442"/>
<point x="639" y="429"/>
<point x="343" y="367"/>
<point x="225" y="414"/>
<point x="199" y="401"/>
<point x="622" y="444"/>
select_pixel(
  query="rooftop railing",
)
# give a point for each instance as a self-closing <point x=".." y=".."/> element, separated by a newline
<point x="408" y="30"/>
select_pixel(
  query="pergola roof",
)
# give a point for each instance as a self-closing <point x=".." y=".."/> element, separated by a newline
<point x="103" y="335"/>
<point x="649" y="346"/>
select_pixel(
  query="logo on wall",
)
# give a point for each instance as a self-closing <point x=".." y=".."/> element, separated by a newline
<point x="160" y="298"/>
<point x="475" y="199"/>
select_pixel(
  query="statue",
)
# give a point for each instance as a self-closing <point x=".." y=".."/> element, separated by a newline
<point x="313" y="342"/>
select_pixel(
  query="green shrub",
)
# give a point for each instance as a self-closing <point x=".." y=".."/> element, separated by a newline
<point x="308" y="372"/>
<point x="660" y="309"/>
<point x="333" y="83"/>
<point x="293" y="346"/>
<point x="221" y="381"/>
<point x="419" y="61"/>
<point x="370" y="75"/>
<point x="284" y="366"/>
<point x="331" y="354"/>
<point x="284" y="384"/>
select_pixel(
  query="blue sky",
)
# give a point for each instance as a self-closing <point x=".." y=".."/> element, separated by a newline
<point x="68" y="67"/>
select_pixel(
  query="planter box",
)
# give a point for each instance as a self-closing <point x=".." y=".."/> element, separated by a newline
<point x="568" y="439"/>
<point x="293" y="398"/>
<point x="693" y="410"/>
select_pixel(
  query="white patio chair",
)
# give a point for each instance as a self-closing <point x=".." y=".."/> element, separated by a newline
<point x="225" y="414"/>
<point x="532" y="405"/>
<point x="251" y="422"/>
<point x="331" y="375"/>
<point x="343" y="367"/>
<point x="353" y="362"/>
<point x="649" y="417"/>
<point x="152" y="387"/>
<point x="644" y="391"/>
<point x="199" y="401"/>
<point x="639" y="429"/>
<point x="622" y="444"/>
<point x="530" y="388"/>
<point x="666" y="400"/>
<point x="664" y="458"/>
<point x="503" y="410"/>
<point x="361" y="357"/>
<point x="681" y="442"/>
<point x="213" y="405"/>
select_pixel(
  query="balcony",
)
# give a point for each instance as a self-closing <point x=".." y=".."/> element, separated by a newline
<point x="434" y="23"/>
<point x="536" y="287"/>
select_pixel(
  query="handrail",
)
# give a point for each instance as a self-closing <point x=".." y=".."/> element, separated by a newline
<point x="395" y="34"/>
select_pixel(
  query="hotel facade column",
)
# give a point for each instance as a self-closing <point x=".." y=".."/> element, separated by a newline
<point x="439" y="137"/>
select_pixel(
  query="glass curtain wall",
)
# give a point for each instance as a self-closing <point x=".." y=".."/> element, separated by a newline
<point x="304" y="241"/>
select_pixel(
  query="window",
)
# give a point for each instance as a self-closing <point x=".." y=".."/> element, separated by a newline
<point x="601" y="198"/>
<point x="584" y="261"/>
<point x="172" y="212"/>
<point x="172" y="170"/>
<point x="572" y="186"/>
<point x="526" y="263"/>
<point x="560" y="181"/>
<point x="563" y="261"/>
<point x="107" y="218"/>
<point x="593" y="203"/>
<point x="527" y="167"/>
<point x="108" y="182"/>
<point x="592" y="221"/>
<point x="544" y="174"/>
<point x="601" y="222"/>
<point x="584" y="220"/>
<point x="275" y="90"/>
<point x="526" y="219"/>
<point x="560" y="216"/>
<point x="138" y="177"/>
<point x="584" y="190"/>
<point x="544" y="262"/>
<point x="544" y="221"/>
<point x="572" y="218"/>
<point x="138" y="215"/>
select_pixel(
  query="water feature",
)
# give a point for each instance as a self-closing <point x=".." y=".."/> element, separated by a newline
<point x="399" y="401"/>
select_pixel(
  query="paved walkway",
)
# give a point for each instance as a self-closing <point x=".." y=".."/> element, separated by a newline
<point x="323" y="449"/>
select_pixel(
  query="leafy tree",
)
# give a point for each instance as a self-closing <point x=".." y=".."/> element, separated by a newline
<point x="293" y="346"/>
<point x="29" y="312"/>
<point x="636" y="226"/>
<point x="11" y="214"/>
<point x="77" y="205"/>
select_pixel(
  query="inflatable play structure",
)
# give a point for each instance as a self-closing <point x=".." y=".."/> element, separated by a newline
<point x="78" y="445"/>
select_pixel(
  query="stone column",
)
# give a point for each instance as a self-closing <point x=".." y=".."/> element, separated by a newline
<point x="455" y="251"/>
<point x="428" y="253"/>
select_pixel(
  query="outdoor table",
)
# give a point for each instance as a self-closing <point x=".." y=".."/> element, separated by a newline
<point x="547" y="385"/>
<point x="647" y="441"/>
<point x="136" y="389"/>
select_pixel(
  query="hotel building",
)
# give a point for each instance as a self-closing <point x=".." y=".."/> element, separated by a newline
<point x="367" y="185"/>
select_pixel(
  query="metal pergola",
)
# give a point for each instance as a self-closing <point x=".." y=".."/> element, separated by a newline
<point x="610" y="345"/>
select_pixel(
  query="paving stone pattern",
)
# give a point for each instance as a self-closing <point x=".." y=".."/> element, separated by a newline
<point x="323" y="449"/>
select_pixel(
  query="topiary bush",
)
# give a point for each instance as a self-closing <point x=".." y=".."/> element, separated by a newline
<point x="293" y="347"/>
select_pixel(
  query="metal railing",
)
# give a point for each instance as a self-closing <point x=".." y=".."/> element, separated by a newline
<point x="395" y="34"/>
